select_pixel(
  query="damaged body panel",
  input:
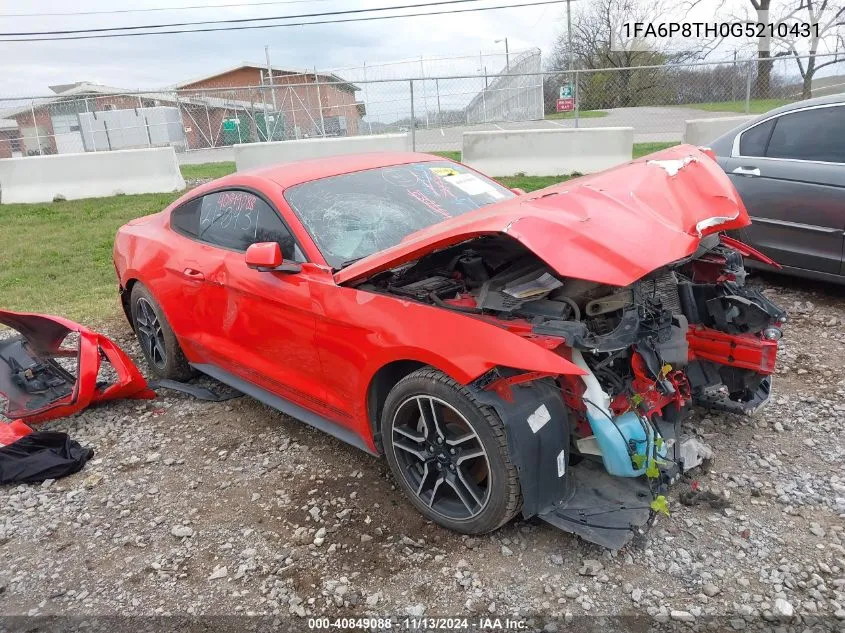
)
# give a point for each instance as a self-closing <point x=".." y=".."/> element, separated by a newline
<point x="503" y="351"/>
<point x="45" y="375"/>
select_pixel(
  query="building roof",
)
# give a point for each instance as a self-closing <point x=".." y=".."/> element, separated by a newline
<point x="60" y="88"/>
<point x="84" y="89"/>
<point x="331" y="77"/>
<point x="8" y="124"/>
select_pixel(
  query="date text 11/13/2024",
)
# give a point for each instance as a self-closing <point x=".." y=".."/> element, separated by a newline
<point x="419" y="624"/>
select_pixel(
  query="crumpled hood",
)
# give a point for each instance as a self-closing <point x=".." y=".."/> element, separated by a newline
<point x="612" y="227"/>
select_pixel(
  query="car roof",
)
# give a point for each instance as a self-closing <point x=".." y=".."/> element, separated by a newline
<point x="806" y="103"/>
<point x="293" y="173"/>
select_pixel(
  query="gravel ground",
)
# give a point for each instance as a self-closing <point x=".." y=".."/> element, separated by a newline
<point x="197" y="508"/>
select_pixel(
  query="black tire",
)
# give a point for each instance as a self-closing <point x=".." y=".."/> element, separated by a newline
<point x="163" y="355"/>
<point x="477" y="493"/>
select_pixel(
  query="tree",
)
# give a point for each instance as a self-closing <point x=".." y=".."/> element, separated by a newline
<point x="762" y="81"/>
<point x="596" y="45"/>
<point x="829" y="15"/>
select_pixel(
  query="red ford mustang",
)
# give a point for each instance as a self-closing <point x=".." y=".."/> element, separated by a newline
<point x="504" y="351"/>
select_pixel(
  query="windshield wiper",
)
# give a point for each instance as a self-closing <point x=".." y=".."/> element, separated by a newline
<point x="349" y="262"/>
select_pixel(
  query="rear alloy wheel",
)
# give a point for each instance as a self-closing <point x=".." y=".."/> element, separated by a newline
<point x="449" y="453"/>
<point x="157" y="341"/>
<point x="150" y="335"/>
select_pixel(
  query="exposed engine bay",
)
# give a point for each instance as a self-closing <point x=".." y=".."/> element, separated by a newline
<point x="690" y="332"/>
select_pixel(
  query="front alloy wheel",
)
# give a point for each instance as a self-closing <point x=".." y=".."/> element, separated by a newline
<point x="441" y="457"/>
<point x="449" y="453"/>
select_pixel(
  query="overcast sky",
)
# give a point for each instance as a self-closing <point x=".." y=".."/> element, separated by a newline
<point x="157" y="61"/>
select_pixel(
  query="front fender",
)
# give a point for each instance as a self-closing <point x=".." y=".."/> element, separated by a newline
<point x="362" y="332"/>
<point x="458" y="344"/>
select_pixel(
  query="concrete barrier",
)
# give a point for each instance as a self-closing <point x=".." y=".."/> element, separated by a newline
<point x="89" y="175"/>
<point x="704" y="131"/>
<point x="208" y="155"/>
<point x="547" y="152"/>
<point x="252" y="155"/>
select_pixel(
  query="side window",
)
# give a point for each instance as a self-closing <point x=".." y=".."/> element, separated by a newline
<point x="753" y="141"/>
<point x="815" y="134"/>
<point x="186" y="219"/>
<point x="236" y="220"/>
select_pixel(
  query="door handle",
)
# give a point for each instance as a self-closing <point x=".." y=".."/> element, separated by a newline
<point x="191" y="273"/>
<point x="747" y="171"/>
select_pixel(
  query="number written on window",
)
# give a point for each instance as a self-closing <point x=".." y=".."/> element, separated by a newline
<point x="233" y="219"/>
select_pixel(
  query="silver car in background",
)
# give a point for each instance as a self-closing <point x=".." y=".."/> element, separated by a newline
<point x="789" y="168"/>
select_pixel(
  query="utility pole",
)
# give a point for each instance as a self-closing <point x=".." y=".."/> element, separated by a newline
<point x="425" y="91"/>
<point x="569" y="32"/>
<point x="270" y="75"/>
<point x="367" y="98"/>
<point x="320" y="102"/>
<point x="507" y="54"/>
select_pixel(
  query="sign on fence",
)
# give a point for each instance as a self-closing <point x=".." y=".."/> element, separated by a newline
<point x="565" y="105"/>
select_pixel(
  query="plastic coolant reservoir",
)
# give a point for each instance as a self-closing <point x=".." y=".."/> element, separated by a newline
<point x="614" y="437"/>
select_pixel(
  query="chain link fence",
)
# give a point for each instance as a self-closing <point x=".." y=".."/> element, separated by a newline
<point x="498" y="91"/>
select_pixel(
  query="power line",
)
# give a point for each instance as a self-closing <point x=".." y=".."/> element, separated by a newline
<point x="271" y="26"/>
<point x="237" y="20"/>
<point x="152" y="9"/>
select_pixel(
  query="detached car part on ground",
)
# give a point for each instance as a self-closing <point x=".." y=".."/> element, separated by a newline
<point x="504" y="352"/>
<point x="50" y="369"/>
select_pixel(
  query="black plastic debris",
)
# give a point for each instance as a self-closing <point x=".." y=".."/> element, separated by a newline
<point x="41" y="455"/>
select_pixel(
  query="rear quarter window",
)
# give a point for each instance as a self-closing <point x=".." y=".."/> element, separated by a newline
<point x="185" y="218"/>
<point x="753" y="141"/>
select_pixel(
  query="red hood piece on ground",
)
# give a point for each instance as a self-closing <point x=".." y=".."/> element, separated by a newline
<point x="39" y="388"/>
<point x="612" y="227"/>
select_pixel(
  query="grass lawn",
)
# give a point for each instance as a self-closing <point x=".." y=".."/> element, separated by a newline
<point x="207" y="170"/>
<point x="583" y="114"/>
<point x="532" y="183"/>
<point x="57" y="257"/>
<point x="641" y="149"/>
<point x="453" y="155"/>
<point x="755" y="106"/>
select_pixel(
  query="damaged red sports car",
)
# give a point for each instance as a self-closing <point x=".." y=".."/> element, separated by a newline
<point x="505" y="352"/>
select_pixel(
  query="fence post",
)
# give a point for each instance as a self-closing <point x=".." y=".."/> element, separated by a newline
<point x="181" y="121"/>
<point x="367" y="98"/>
<point x="146" y="123"/>
<point x="413" y="119"/>
<point x="748" y="88"/>
<point x="577" y="105"/>
<point x="210" y="131"/>
<point x="439" y="111"/>
<point x="91" y="128"/>
<point x="35" y="126"/>
<point x="108" y="136"/>
<point x="320" y="102"/>
<point x="484" y="94"/>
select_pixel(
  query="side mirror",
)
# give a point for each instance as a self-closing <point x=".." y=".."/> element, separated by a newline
<point x="267" y="257"/>
<point x="518" y="191"/>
